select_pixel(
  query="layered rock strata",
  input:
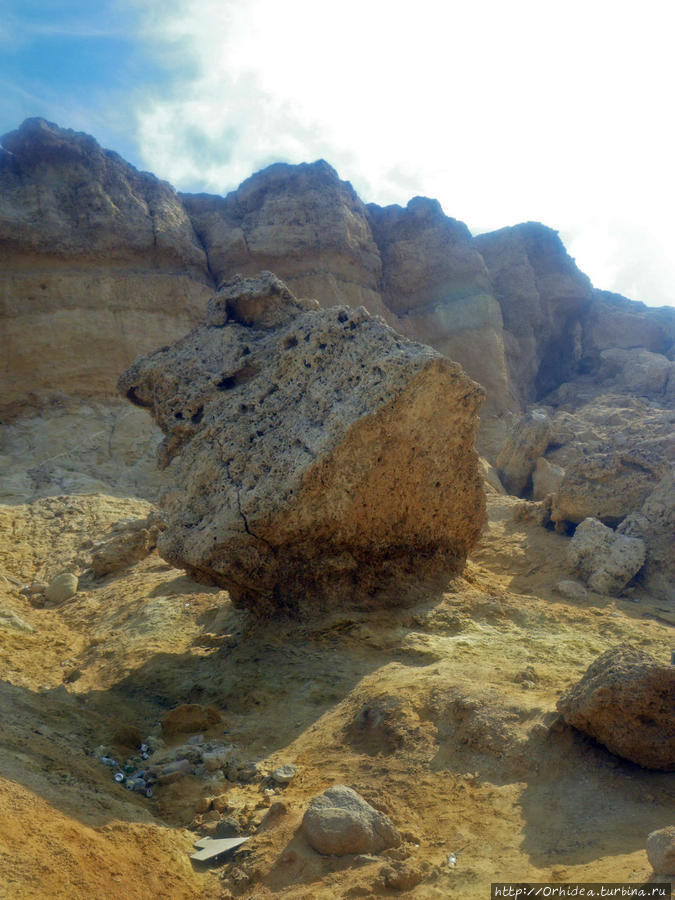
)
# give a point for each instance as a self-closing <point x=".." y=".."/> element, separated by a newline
<point x="318" y="457"/>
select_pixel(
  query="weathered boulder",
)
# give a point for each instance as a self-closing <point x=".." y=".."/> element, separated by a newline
<point x="655" y="525"/>
<point x="607" y="486"/>
<point x="605" y="560"/>
<point x="318" y="457"/>
<point x="626" y="700"/>
<point x="340" y="821"/>
<point x="661" y="850"/>
<point x="526" y="442"/>
<point x="637" y="371"/>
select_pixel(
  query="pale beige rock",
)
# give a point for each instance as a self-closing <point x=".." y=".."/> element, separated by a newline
<point x="546" y="478"/>
<point x="572" y="590"/>
<point x="325" y="461"/>
<point x="661" y="850"/>
<point x="526" y="442"/>
<point x="62" y="587"/>
<point x="340" y="822"/>
<point x="605" y="560"/>
<point x="655" y="525"/>
<point x="607" y="486"/>
<point x="637" y="371"/>
<point x="127" y="542"/>
<point x="626" y="700"/>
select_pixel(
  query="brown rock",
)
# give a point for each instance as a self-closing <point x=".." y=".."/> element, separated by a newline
<point x="626" y="701"/>
<point x="323" y="461"/>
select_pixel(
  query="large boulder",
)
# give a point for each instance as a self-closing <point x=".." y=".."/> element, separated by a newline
<point x="340" y="822"/>
<point x="318" y="456"/>
<point x="607" y="485"/>
<point x="605" y="560"/>
<point x="626" y="701"/>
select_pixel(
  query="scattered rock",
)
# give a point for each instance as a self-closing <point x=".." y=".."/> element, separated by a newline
<point x="605" y="560"/>
<point x="340" y="821"/>
<point x="62" y="588"/>
<point x="526" y="442"/>
<point x="319" y="457"/>
<point x="625" y="701"/>
<point x="284" y="774"/>
<point x="572" y="590"/>
<point x="189" y="717"/>
<point x="661" y="851"/>
<point x="546" y="478"/>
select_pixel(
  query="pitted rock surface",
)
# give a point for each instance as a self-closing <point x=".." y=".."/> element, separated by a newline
<point x="322" y="460"/>
<point x="626" y="701"/>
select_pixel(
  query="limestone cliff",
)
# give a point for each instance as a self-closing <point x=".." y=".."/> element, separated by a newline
<point x="100" y="262"/>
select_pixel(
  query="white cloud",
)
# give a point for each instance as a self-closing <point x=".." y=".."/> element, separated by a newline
<point x="504" y="111"/>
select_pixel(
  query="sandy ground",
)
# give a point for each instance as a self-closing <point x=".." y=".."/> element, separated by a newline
<point x="442" y="715"/>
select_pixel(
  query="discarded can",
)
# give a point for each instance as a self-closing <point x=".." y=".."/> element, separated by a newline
<point x="128" y="768"/>
<point x="119" y="777"/>
<point x="144" y="748"/>
<point x="148" y="792"/>
<point x="109" y="761"/>
<point x="145" y="754"/>
<point x="129" y="785"/>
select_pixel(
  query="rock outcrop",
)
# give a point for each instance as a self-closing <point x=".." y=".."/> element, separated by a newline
<point x="625" y="701"/>
<point x="318" y="457"/>
<point x="100" y="263"/>
<point x="605" y="560"/>
<point x="340" y="822"/>
<point x="524" y="445"/>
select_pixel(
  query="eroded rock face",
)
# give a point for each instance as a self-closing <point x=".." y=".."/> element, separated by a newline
<point x="100" y="263"/>
<point x="324" y="459"/>
<point x="340" y="822"/>
<point x="626" y="701"/>
<point x="605" y="560"/>
<point x="524" y="445"/>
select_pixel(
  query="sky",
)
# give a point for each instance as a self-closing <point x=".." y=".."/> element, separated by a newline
<point x="504" y="110"/>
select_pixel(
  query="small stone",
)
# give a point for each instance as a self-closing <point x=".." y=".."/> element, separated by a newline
<point x="284" y="774"/>
<point x="572" y="590"/>
<point x="62" y="588"/>
<point x="661" y="851"/>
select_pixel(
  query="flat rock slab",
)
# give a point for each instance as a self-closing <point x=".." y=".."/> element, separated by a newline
<point x="211" y="847"/>
<point x="626" y="701"/>
<point x="318" y="457"/>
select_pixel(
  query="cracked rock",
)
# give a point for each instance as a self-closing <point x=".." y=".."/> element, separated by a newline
<point x="318" y="457"/>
